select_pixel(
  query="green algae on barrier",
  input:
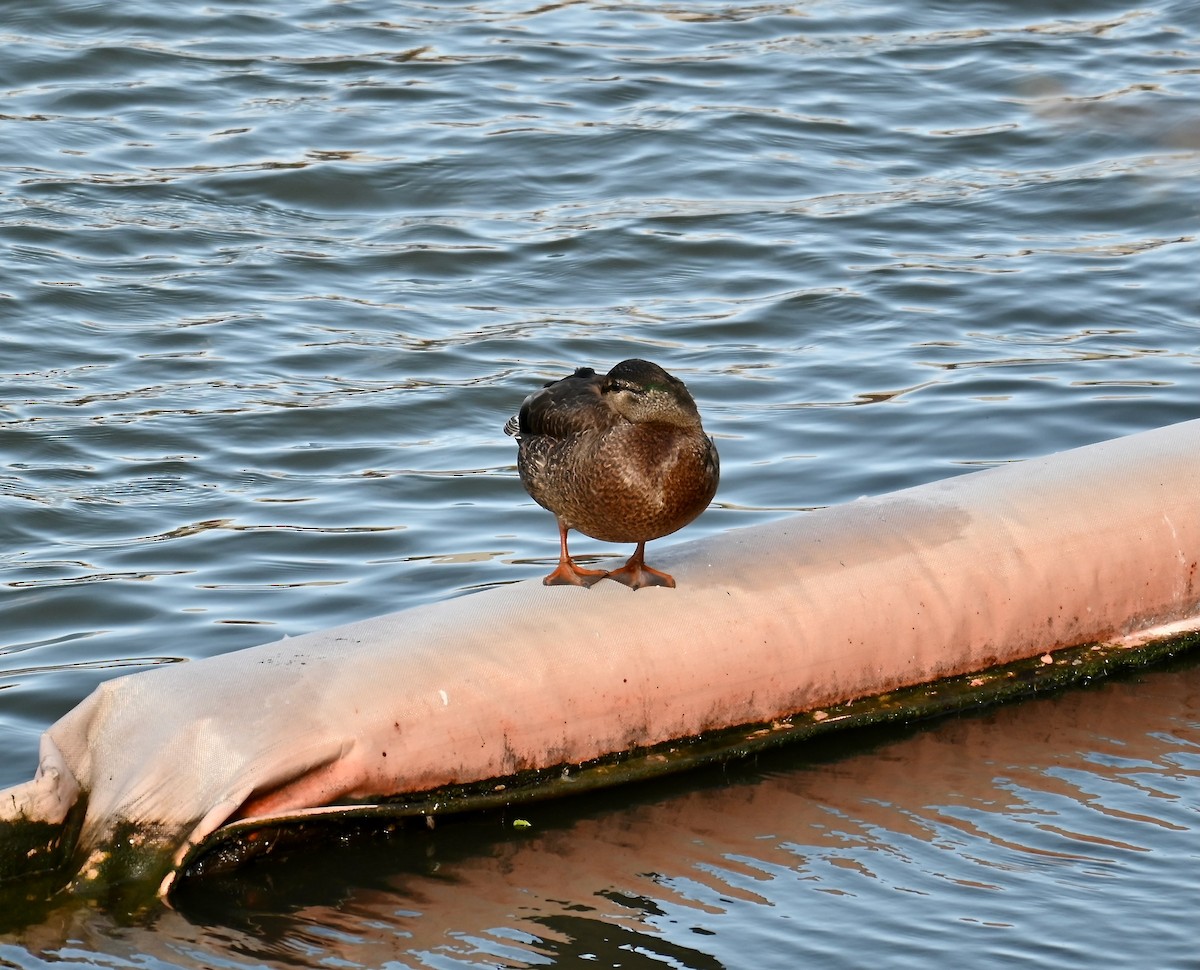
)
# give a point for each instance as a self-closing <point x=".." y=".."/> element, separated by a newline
<point x="238" y="842"/>
<point x="32" y="847"/>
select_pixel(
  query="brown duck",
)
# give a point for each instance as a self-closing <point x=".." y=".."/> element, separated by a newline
<point x="621" y="457"/>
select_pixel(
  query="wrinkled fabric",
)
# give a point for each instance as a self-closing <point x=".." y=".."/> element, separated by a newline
<point x="1088" y="545"/>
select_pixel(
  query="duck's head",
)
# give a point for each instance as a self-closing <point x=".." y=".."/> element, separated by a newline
<point x="643" y="392"/>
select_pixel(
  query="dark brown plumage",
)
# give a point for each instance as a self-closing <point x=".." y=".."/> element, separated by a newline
<point x="621" y="457"/>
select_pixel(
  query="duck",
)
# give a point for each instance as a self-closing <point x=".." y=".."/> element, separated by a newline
<point x="621" y="457"/>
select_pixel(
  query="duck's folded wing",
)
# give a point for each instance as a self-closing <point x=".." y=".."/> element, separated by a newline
<point x="566" y="407"/>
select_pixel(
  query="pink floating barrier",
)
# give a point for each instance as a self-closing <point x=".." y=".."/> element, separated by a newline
<point x="525" y="691"/>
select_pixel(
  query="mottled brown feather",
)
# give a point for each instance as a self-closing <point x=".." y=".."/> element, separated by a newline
<point x="615" y="477"/>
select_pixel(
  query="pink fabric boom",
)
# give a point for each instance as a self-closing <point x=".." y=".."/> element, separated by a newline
<point x="956" y="576"/>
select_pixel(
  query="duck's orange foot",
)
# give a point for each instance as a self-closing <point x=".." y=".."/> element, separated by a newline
<point x="635" y="575"/>
<point x="566" y="573"/>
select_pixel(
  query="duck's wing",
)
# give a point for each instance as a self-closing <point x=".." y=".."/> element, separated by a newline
<point x="568" y="406"/>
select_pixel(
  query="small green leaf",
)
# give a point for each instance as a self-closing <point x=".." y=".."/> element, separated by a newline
<point x="520" y="823"/>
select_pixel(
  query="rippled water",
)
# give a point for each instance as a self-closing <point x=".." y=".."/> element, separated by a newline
<point x="274" y="275"/>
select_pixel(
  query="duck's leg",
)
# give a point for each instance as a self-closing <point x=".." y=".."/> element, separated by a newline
<point x="566" y="573"/>
<point x="635" y="573"/>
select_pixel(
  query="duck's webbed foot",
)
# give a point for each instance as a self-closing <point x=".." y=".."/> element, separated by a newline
<point x="566" y="573"/>
<point x="635" y="573"/>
